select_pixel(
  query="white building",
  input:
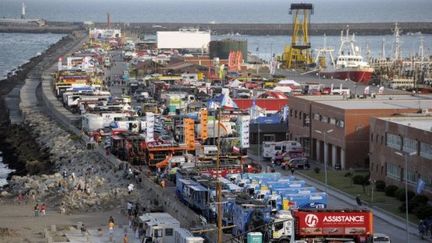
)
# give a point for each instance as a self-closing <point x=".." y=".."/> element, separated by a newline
<point x="183" y="39"/>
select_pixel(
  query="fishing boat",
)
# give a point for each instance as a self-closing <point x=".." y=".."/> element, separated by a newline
<point x="349" y="63"/>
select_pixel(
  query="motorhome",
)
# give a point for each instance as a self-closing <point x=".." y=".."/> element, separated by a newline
<point x="271" y="149"/>
<point x="159" y="227"/>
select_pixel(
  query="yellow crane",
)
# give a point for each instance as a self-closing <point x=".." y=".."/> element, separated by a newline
<point x="298" y="53"/>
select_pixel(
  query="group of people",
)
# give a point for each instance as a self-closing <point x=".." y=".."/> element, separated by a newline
<point x="39" y="209"/>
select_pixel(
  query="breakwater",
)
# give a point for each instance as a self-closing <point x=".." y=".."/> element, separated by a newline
<point x="225" y="28"/>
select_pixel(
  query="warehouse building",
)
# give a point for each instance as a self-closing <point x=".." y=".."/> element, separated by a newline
<point x="335" y="129"/>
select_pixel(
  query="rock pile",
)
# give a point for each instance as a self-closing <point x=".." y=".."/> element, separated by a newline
<point x="83" y="182"/>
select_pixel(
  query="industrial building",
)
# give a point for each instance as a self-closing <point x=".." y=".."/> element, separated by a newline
<point x="335" y="129"/>
<point x="186" y="38"/>
<point x="393" y="138"/>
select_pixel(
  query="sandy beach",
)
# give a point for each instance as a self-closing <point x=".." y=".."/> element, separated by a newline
<point x="18" y="223"/>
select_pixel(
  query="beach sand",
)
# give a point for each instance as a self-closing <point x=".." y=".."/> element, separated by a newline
<point x="18" y="223"/>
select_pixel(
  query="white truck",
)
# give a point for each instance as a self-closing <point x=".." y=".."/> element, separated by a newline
<point x="182" y="235"/>
<point x="270" y="149"/>
<point x="159" y="227"/>
<point x="164" y="228"/>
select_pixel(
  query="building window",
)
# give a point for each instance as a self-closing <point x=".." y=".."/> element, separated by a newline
<point x="169" y="232"/>
<point x="300" y="114"/>
<point x="409" y="145"/>
<point x="269" y="137"/>
<point x="382" y="140"/>
<point x="426" y="150"/>
<point x="411" y="176"/>
<point x="340" y="123"/>
<point x="393" y="171"/>
<point x="371" y="138"/>
<point x="324" y="119"/>
<point x="316" y="116"/>
<point x="295" y="114"/>
<point x="393" y="141"/>
<point x="291" y="112"/>
<point x="333" y="121"/>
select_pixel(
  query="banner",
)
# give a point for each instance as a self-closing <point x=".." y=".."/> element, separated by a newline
<point x="149" y="127"/>
<point x="189" y="133"/>
<point x="420" y="186"/>
<point x="204" y="121"/>
<point x="243" y="123"/>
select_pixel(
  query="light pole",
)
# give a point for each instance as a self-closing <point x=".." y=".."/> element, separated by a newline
<point x="406" y="155"/>
<point x="325" y="158"/>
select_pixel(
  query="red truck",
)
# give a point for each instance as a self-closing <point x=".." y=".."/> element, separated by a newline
<point x="321" y="225"/>
<point x="334" y="225"/>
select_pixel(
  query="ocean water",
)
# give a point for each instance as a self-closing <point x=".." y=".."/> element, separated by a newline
<point x="219" y="11"/>
<point x="17" y="48"/>
<point x="4" y="172"/>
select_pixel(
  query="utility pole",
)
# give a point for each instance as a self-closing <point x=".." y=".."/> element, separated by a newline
<point x="218" y="184"/>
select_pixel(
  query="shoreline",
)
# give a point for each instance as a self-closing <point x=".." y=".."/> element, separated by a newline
<point x="16" y="144"/>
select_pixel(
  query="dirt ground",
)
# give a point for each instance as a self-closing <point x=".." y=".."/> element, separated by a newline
<point x="18" y="223"/>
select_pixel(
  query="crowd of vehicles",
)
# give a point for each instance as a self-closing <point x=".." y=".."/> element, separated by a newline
<point x="282" y="208"/>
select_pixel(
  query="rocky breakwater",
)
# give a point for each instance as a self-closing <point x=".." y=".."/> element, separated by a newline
<point x="83" y="181"/>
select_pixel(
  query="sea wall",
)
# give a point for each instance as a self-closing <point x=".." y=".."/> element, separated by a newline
<point x="231" y="28"/>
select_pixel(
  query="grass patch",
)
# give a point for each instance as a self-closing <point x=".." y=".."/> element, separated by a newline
<point x="338" y="180"/>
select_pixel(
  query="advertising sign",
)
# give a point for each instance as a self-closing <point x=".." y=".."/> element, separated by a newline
<point x="334" y="223"/>
<point x="203" y="122"/>
<point x="149" y="127"/>
<point x="243" y="123"/>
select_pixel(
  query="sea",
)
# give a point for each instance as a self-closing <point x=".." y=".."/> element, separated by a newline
<point x="18" y="48"/>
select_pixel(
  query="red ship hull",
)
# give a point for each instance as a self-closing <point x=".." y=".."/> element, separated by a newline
<point x="360" y="76"/>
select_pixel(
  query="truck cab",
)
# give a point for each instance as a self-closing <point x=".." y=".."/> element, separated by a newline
<point x="282" y="227"/>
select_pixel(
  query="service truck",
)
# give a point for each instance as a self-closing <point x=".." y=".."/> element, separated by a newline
<point x="320" y="225"/>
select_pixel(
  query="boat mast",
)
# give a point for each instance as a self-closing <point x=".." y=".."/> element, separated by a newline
<point x="397" y="53"/>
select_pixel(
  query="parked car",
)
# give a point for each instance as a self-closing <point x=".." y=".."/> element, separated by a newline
<point x="381" y="238"/>
<point x="296" y="163"/>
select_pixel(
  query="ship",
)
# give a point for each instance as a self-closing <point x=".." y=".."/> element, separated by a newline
<point x="349" y="64"/>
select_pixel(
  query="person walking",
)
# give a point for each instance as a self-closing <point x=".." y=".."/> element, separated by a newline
<point x="358" y="200"/>
<point x="36" y="210"/>
<point x="292" y="170"/>
<point x="111" y="229"/>
<point x="43" y="209"/>
<point x="125" y="239"/>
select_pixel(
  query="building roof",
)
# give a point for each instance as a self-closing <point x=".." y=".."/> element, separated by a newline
<point x="267" y="104"/>
<point x="420" y="122"/>
<point x="380" y="102"/>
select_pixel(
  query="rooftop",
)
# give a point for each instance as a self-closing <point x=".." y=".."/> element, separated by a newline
<point x="420" y="122"/>
<point x="380" y="102"/>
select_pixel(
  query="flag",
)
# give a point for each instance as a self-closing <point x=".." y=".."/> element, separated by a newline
<point x="227" y="102"/>
<point x="420" y="186"/>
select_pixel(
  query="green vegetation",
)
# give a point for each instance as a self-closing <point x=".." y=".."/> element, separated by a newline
<point x="346" y="182"/>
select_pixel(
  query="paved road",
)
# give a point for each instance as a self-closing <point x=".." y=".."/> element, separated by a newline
<point x="382" y="223"/>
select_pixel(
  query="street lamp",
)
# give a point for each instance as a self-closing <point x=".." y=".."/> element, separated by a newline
<point x="325" y="162"/>
<point x="406" y="155"/>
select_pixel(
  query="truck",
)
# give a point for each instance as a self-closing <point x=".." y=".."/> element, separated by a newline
<point x="320" y="225"/>
<point x="159" y="227"/>
<point x="285" y="148"/>
<point x="182" y="235"/>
